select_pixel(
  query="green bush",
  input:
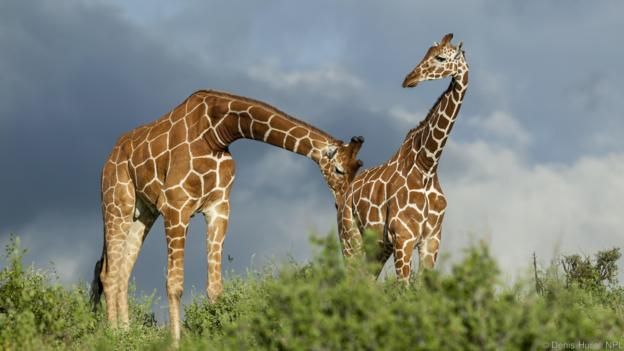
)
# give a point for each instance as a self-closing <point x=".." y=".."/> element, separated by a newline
<point x="37" y="313"/>
<point x="326" y="305"/>
<point x="329" y="305"/>
<point x="30" y="306"/>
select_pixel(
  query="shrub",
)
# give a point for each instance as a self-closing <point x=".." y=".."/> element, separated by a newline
<point x="31" y="306"/>
<point x="37" y="313"/>
<point x="327" y="304"/>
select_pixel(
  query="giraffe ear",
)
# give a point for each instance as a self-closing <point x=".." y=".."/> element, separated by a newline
<point x="435" y="43"/>
<point x="331" y="152"/>
<point x="447" y="38"/>
<point x="459" y="49"/>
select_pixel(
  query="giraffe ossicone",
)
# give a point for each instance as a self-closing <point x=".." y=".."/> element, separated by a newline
<point x="402" y="199"/>
<point x="180" y="165"/>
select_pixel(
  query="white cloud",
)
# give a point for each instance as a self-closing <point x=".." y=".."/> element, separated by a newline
<point x="330" y="80"/>
<point x="283" y="205"/>
<point x="502" y="126"/>
<point x="407" y="119"/>
<point x="277" y="167"/>
<point x="521" y="208"/>
<point x="62" y="240"/>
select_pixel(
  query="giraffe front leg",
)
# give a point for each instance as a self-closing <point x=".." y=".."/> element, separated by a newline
<point x="216" y="216"/>
<point x="176" y="224"/>
<point x="217" y="212"/>
<point x="348" y="233"/>
<point x="430" y="246"/>
<point x="403" y="251"/>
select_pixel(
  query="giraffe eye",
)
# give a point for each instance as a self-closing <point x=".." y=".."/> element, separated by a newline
<point x="338" y="170"/>
<point x="440" y="58"/>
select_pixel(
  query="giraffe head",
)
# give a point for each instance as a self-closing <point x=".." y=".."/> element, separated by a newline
<point x="339" y="164"/>
<point x="441" y="60"/>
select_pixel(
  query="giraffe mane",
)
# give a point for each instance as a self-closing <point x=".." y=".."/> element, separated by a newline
<point x="269" y="108"/>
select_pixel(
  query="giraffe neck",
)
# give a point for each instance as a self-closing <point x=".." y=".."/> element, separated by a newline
<point x="426" y="142"/>
<point x="234" y="117"/>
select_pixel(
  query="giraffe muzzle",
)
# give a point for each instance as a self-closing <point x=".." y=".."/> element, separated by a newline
<point x="410" y="82"/>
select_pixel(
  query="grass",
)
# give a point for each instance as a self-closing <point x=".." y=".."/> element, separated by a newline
<point x="329" y="305"/>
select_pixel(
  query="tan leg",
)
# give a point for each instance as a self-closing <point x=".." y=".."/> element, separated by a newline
<point x="136" y="236"/>
<point x="217" y="212"/>
<point x="109" y="282"/>
<point x="384" y="243"/>
<point x="429" y="247"/>
<point x="348" y="232"/>
<point x="176" y="224"/>
<point x="216" y="216"/>
<point x="403" y="250"/>
<point x="117" y="204"/>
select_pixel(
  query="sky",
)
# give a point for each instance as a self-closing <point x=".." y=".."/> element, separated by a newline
<point x="535" y="162"/>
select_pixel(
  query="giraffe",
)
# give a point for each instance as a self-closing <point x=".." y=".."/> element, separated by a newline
<point x="180" y="165"/>
<point x="402" y="199"/>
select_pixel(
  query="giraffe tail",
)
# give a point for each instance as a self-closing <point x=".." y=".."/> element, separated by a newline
<point x="96" y="284"/>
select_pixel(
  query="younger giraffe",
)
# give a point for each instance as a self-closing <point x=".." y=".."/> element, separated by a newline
<point x="402" y="198"/>
<point x="180" y="165"/>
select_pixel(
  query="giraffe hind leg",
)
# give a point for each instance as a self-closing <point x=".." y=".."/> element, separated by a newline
<point x="116" y="228"/>
<point x="144" y="218"/>
<point x="118" y="201"/>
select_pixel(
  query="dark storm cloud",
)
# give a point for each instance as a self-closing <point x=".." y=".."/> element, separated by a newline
<point x="79" y="76"/>
<point x="524" y="56"/>
<point x="76" y="74"/>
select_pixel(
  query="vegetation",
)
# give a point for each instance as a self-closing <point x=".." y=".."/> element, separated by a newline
<point x="327" y="305"/>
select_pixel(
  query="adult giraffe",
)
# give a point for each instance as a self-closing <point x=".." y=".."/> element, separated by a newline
<point x="180" y="165"/>
<point x="402" y="198"/>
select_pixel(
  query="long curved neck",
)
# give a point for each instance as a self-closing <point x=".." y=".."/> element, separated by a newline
<point x="234" y="117"/>
<point x="427" y="141"/>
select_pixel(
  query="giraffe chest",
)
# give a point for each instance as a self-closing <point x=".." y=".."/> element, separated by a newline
<point x="405" y="197"/>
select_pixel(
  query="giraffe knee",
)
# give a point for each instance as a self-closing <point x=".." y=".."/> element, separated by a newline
<point x="108" y="280"/>
<point x="214" y="291"/>
<point x="428" y="261"/>
<point x="432" y="246"/>
<point x="175" y="285"/>
<point x="174" y="290"/>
